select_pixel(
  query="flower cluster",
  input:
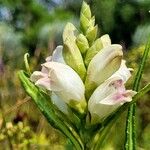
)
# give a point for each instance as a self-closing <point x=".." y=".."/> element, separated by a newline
<point x="86" y="73"/>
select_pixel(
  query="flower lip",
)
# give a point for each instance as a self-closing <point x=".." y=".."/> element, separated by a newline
<point x="104" y="64"/>
<point x="111" y="94"/>
<point x="115" y="51"/>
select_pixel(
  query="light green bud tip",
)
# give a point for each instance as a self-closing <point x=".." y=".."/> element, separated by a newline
<point x="87" y="23"/>
<point x="85" y="10"/>
<point x="91" y="33"/>
<point x="85" y="17"/>
<point x="70" y="32"/>
<point x="93" y="50"/>
<point x="82" y="43"/>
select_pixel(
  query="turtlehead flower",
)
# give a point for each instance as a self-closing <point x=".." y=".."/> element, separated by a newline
<point x="110" y="95"/>
<point x="63" y="81"/>
<point x="106" y="62"/>
<point x="86" y="70"/>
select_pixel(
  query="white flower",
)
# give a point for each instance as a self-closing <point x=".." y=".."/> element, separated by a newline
<point x="110" y="95"/>
<point x="63" y="81"/>
<point x="106" y="62"/>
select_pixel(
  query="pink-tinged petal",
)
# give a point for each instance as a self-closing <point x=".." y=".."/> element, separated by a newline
<point x="65" y="78"/>
<point x="44" y="70"/>
<point x="108" y="97"/>
<point x="37" y="75"/>
<point x="44" y="83"/>
<point x="67" y="85"/>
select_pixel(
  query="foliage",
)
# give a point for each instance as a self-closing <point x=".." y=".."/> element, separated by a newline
<point x="22" y="136"/>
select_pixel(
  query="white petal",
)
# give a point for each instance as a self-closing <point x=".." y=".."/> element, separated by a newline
<point x="104" y="64"/>
<point x="36" y="75"/>
<point x="123" y="72"/>
<point x="49" y="58"/>
<point x="62" y="106"/>
<point x="57" y="55"/>
<point x="106" y="41"/>
<point x="65" y="78"/>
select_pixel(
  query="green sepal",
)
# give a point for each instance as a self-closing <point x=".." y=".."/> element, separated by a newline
<point x="93" y="50"/>
<point x="82" y="43"/>
<point x="43" y="102"/>
<point x="89" y="88"/>
<point x="85" y="10"/>
<point x="91" y="33"/>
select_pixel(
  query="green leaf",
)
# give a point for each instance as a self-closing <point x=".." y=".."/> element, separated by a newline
<point x="42" y="100"/>
<point x="130" y="143"/>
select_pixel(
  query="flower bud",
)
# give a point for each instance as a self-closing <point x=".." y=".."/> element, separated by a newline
<point x="85" y="10"/>
<point x="71" y="52"/>
<point x="92" y="51"/>
<point x="82" y="43"/>
<point x="74" y="59"/>
<point x="85" y="16"/>
<point x="102" y="66"/>
<point x="69" y="32"/>
<point x="91" y="33"/>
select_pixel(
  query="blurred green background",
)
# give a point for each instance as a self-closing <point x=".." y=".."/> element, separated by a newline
<point x="36" y="26"/>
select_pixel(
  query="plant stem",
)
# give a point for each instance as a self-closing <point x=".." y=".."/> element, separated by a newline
<point x="130" y="143"/>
